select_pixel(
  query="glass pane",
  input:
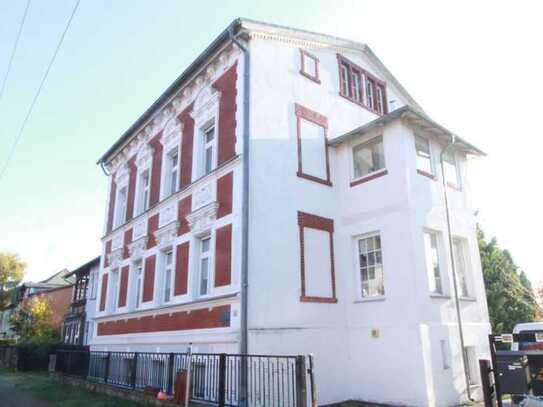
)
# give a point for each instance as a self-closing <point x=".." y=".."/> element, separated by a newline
<point x="169" y="258"/>
<point x="362" y="246"/>
<point x="371" y="259"/>
<point x="205" y="245"/>
<point x="356" y="86"/>
<point x="203" y="276"/>
<point x="424" y="162"/>
<point x="208" y="160"/>
<point x="377" y="242"/>
<point x="363" y="260"/>
<point x="210" y="134"/>
<point x="368" y="157"/>
<point x="371" y="273"/>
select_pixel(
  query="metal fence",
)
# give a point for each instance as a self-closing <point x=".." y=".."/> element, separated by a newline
<point x="275" y="381"/>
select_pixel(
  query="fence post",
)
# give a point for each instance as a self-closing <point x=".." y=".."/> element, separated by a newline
<point x="301" y="385"/>
<point x="134" y="370"/>
<point x="107" y="367"/>
<point x="69" y="369"/>
<point x="169" y="384"/>
<point x="222" y="379"/>
<point x="484" y="368"/>
<point x="497" y="389"/>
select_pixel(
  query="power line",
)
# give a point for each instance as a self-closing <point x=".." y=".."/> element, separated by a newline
<point x="40" y="87"/>
<point x="14" y="50"/>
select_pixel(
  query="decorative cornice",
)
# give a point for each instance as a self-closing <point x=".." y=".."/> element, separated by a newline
<point x="137" y="248"/>
<point x="201" y="220"/>
<point x="165" y="235"/>
<point x="115" y="258"/>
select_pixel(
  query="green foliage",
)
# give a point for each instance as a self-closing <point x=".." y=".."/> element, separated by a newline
<point x="33" y="321"/>
<point x="509" y="293"/>
<point x="8" y="341"/>
<point x="11" y="273"/>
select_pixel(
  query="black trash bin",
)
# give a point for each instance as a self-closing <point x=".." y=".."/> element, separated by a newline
<point x="535" y="363"/>
<point x="512" y="372"/>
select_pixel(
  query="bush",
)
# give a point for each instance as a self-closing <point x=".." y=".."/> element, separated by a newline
<point x="4" y="341"/>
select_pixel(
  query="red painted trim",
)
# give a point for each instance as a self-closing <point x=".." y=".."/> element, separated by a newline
<point x="225" y="186"/>
<point x="111" y="209"/>
<point x="303" y="113"/>
<point x="223" y="256"/>
<point x="186" y="146"/>
<point x="183" y="209"/>
<point x="103" y="292"/>
<point x="203" y="318"/>
<point x="369" y="178"/>
<point x="181" y="268"/>
<point x="226" y="85"/>
<point x="131" y="188"/>
<point x="306" y="220"/>
<point x="427" y="174"/>
<point x="356" y="68"/>
<point x="156" y="169"/>
<point x="152" y="227"/>
<point x="302" y="66"/>
<point x="127" y="240"/>
<point x="149" y="279"/>
<point x="123" y="288"/>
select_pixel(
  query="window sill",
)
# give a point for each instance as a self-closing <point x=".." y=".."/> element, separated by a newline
<point x="369" y="177"/>
<point x="314" y="179"/>
<point x="324" y="300"/>
<point x="310" y="77"/>
<point x="440" y="296"/>
<point x="468" y="299"/>
<point x="427" y="175"/>
<point x="370" y="299"/>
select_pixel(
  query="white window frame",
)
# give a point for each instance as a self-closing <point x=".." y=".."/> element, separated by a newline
<point x="210" y="262"/>
<point x="344" y="80"/>
<point x="430" y="158"/>
<point x="113" y="300"/>
<point x="462" y="275"/>
<point x="359" y="286"/>
<point x="434" y="281"/>
<point x="144" y="191"/>
<point x="121" y="206"/>
<point x="205" y="145"/>
<point x="167" y="285"/>
<point x="457" y="183"/>
<point x="171" y="172"/>
<point x="138" y="283"/>
<point x="371" y="141"/>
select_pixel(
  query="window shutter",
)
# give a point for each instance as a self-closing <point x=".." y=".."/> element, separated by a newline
<point x="156" y="169"/>
<point x="223" y="256"/>
<point x="226" y="85"/>
<point x="103" y="293"/>
<point x="131" y="188"/>
<point x="149" y="279"/>
<point x="111" y="211"/>
<point x="124" y="286"/>
<point x="186" y="119"/>
<point x="181" y="269"/>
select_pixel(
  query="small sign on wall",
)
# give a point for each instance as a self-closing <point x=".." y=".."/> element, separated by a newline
<point x="375" y="333"/>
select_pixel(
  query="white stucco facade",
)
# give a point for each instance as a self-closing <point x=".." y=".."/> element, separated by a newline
<point x="308" y="211"/>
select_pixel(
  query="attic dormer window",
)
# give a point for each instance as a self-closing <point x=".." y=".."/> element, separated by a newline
<point x="361" y="87"/>
<point x="309" y="66"/>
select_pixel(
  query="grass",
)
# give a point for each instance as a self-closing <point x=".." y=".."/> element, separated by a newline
<point x="46" y="388"/>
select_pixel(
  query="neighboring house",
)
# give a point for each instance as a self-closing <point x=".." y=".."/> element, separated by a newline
<point x="347" y="254"/>
<point x="57" y="289"/>
<point x="78" y="322"/>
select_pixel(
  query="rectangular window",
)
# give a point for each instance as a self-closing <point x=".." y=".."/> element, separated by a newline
<point x="143" y="191"/>
<point x="368" y="157"/>
<point x="113" y="293"/>
<point x="139" y="285"/>
<point x="380" y="96"/>
<point x="168" y="276"/>
<point x="120" y="216"/>
<point x="310" y="66"/>
<point x="370" y="93"/>
<point x="171" y="177"/>
<point x="424" y="158"/>
<point x="450" y="169"/>
<point x="460" y="262"/>
<point x="205" y="266"/>
<point x="344" y="79"/>
<point x="208" y="153"/>
<point x="371" y="266"/>
<point x="357" y="86"/>
<point x="432" y="262"/>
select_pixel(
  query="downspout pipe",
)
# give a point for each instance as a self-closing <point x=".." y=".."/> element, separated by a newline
<point x="453" y="266"/>
<point x="245" y="214"/>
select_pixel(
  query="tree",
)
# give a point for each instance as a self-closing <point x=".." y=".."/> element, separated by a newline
<point x="509" y="292"/>
<point x="11" y="273"/>
<point x="33" y="321"/>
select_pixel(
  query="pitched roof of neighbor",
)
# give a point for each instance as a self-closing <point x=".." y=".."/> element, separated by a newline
<point x="413" y="116"/>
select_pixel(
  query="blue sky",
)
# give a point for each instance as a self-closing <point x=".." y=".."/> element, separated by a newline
<point x="473" y="66"/>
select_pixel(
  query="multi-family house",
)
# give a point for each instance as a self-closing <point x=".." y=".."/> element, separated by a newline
<point x="286" y="195"/>
<point x="78" y="321"/>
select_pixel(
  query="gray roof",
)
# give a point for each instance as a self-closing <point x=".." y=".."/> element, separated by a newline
<point x="85" y="268"/>
<point x="412" y="116"/>
<point x="243" y="25"/>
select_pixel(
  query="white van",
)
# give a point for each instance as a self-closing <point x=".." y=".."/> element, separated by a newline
<point x="528" y="328"/>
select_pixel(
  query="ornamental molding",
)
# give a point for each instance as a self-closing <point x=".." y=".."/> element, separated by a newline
<point x="137" y="248"/>
<point x="203" y="195"/>
<point x="165" y="235"/>
<point x="117" y="241"/>
<point x="167" y="214"/>
<point x="171" y="135"/>
<point x="144" y="157"/>
<point x="175" y="105"/>
<point x="206" y="105"/>
<point x="139" y="229"/>
<point x="201" y="220"/>
<point x="115" y="258"/>
<point x="122" y="176"/>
